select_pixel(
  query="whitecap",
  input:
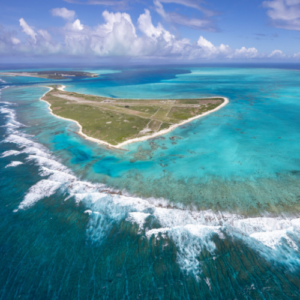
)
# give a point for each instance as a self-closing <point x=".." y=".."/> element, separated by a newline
<point x="276" y="238"/>
<point x="10" y="152"/>
<point x="296" y="224"/>
<point x="191" y="231"/>
<point x="44" y="188"/>
<point x="155" y="232"/>
<point x="21" y="141"/>
<point x="262" y="224"/>
<point x="190" y="241"/>
<point x="12" y="124"/>
<point x="47" y="162"/>
<point x="14" y="164"/>
<point x="138" y="218"/>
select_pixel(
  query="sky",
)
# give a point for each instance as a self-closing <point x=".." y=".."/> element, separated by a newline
<point x="154" y="31"/>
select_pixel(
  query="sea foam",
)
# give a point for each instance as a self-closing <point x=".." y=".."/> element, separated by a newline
<point x="191" y="230"/>
<point x="14" y="164"/>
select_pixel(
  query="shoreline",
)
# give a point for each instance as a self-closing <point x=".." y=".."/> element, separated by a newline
<point x="140" y="139"/>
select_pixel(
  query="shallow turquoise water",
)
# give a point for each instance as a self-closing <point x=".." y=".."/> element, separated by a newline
<point x="236" y="147"/>
<point x="208" y="211"/>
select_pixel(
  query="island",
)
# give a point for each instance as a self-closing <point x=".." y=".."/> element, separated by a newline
<point x="117" y="122"/>
<point x="52" y="74"/>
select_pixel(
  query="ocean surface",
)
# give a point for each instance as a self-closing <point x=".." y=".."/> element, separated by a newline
<point x="210" y="210"/>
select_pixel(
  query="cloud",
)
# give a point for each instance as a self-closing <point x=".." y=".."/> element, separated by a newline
<point x="145" y="25"/>
<point x="117" y="36"/>
<point x="117" y="4"/>
<point x="209" y="50"/>
<point x="277" y="54"/>
<point x="40" y="42"/>
<point x="297" y="55"/>
<point x="193" y="4"/>
<point x="44" y="33"/>
<point x="114" y="18"/>
<point x="8" y="41"/>
<point x="27" y="29"/>
<point x="284" y="13"/>
<point x="245" y="53"/>
<point x="123" y="4"/>
<point x="96" y="2"/>
<point x="63" y="13"/>
<point x="175" y="18"/>
<point x="15" y="40"/>
<point x="77" y="25"/>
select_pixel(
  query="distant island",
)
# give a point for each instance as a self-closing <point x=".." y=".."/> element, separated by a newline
<point x="51" y="74"/>
<point x="117" y="122"/>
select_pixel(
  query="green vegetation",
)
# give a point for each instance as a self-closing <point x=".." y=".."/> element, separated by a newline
<point x="198" y="101"/>
<point x="182" y="113"/>
<point x="118" y="120"/>
<point x="165" y="126"/>
<point x="146" y="109"/>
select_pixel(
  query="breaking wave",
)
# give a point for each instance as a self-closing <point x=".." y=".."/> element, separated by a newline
<point x="191" y="231"/>
<point x="14" y="164"/>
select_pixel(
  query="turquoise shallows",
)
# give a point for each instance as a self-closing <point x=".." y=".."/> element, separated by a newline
<point x="221" y="216"/>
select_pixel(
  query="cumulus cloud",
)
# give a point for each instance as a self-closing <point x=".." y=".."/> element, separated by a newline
<point x="146" y="26"/>
<point x="209" y="50"/>
<point x="173" y="17"/>
<point x="116" y="18"/>
<point x="297" y="55"/>
<point x="202" y="42"/>
<point x="245" y="53"/>
<point x="77" y="25"/>
<point x="118" y="36"/>
<point x="277" y="54"/>
<point x="63" y="13"/>
<point x="224" y="51"/>
<point x="284" y="13"/>
<point x="27" y="29"/>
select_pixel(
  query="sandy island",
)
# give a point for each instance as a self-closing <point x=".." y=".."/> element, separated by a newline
<point x="134" y="140"/>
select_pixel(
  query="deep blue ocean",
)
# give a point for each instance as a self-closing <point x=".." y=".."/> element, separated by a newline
<point x="210" y="210"/>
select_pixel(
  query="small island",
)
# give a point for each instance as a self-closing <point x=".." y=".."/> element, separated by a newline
<point x="52" y="74"/>
<point x="117" y="122"/>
